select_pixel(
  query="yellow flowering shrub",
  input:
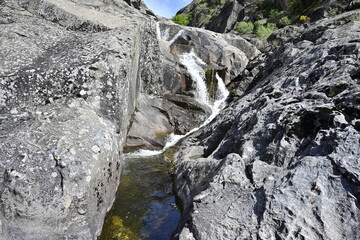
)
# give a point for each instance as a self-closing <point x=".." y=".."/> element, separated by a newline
<point x="303" y="18"/>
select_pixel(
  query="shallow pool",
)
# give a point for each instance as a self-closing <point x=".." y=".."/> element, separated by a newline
<point x="145" y="205"/>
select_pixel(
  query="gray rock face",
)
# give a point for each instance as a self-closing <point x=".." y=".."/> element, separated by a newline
<point x="172" y="107"/>
<point x="231" y="13"/>
<point x="282" y="160"/>
<point x="155" y="118"/>
<point x="69" y="79"/>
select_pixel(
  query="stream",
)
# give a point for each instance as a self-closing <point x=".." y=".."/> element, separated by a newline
<point x="145" y="207"/>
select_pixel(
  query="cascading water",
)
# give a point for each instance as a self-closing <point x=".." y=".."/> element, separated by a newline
<point x="194" y="66"/>
<point x="145" y="206"/>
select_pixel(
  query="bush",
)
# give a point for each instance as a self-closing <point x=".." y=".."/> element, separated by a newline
<point x="257" y="24"/>
<point x="263" y="32"/>
<point x="181" y="20"/>
<point x="245" y="27"/>
<point x="332" y="12"/>
<point x="284" y="21"/>
<point x="189" y="16"/>
<point x="304" y="18"/>
<point x="271" y="26"/>
<point x="275" y="15"/>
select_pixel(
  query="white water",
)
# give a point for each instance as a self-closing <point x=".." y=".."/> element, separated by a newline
<point x="194" y="67"/>
<point x="166" y="35"/>
<point x="193" y="64"/>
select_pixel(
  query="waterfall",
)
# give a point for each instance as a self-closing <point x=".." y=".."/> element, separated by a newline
<point x="194" y="66"/>
<point x="166" y="34"/>
<point x="175" y="37"/>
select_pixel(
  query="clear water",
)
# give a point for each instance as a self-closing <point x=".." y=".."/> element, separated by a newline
<point x="145" y="205"/>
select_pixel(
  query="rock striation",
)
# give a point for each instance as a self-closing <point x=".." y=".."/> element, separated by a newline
<point x="282" y="160"/>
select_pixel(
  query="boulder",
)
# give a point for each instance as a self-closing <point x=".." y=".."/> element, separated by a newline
<point x="282" y="160"/>
<point x="69" y="79"/>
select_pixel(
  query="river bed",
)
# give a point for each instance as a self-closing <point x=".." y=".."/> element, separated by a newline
<point x="145" y="206"/>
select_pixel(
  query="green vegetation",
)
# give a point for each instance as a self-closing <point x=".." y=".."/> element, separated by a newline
<point x="350" y="19"/>
<point x="333" y="11"/>
<point x="181" y="20"/>
<point x="275" y="15"/>
<point x="284" y="21"/>
<point x="245" y="27"/>
<point x="262" y="31"/>
<point x="268" y="11"/>
<point x="297" y="6"/>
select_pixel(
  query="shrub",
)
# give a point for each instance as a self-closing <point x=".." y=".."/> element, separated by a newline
<point x="284" y="21"/>
<point x="245" y="27"/>
<point x="189" y="16"/>
<point x="271" y="26"/>
<point x="263" y="32"/>
<point x="304" y="18"/>
<point x="257" y="24"/>
<point x="181" y="20"/>
<point x="332" y="11"/>
<point x="275" y="15"/>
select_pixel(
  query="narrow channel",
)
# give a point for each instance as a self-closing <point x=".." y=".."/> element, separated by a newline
<point x="145" y="207"/>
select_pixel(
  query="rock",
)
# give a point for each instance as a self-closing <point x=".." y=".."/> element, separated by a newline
<point x="156" y="118"/>
<point x="281" y="161"/>
<point x="172" y="107"/>
<point x="186" y="235"/>
<point x="40" y="197"/>
<point x="223" y="16"/>
<point x="69" y="80"/>
<point x="228" y="17"/>
<point x="223" y="52"/>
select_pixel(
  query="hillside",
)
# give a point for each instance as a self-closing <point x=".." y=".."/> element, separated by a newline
<point x="223" y="16"/>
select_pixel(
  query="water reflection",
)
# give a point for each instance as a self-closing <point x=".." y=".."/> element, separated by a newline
<point x="145" y="204"/>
